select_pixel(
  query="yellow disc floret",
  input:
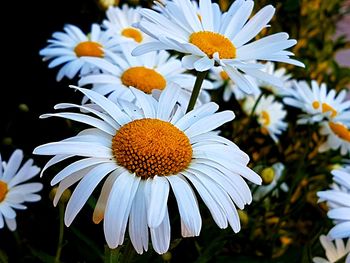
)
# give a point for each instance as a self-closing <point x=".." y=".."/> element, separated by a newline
<point x="325" y="108"/>
<point x="150" y="147"/>
<point x="3" y="190"/>
<point x="133" y="33"/>
<point x="89" y="49"/>
<point x="211" y="42"/>
<point x="144" y="79"/>
<point x="340" y="130"/>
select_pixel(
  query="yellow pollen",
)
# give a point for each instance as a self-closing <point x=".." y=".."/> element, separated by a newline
<point x="150" y="147"/>
<point x="211" y="42"/>
<point x="3" y="190"/>
<point x="340" y="130"/>
<point x="265" y="118"/>
<point x="199" y="17"/>
<point x="132" y="33"/>
<point x="144" y="79"/>
<point x="315" y="105"/>
<point x="327" y="108"/>
<point x="89" y="49"/>
<point x="224" y="75"/>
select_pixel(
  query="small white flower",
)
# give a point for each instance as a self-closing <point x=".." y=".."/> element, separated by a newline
<point x="334" y="251"/>
<point x="71" y="46"/>
<point x="280" y="73"/>
<point x="144" y="152"/>
<point x="13" y="192"/>
<point x="148" y="72"/>
<point x="338" y="135"/>
<point x="209" y="37"/>
<point x="316" y="101"/>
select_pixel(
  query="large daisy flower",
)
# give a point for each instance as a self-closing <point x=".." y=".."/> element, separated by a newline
<point x="270" y="114"/>
<point x="221" y="79"/>
<point x="338" y="200"/>
<point x="209" y="37"/>
<point x="120" y="21"/>
<point x="71" y="46"/>
<point x="316" y="101"/>
<point x="13" y="191"/>
<point x="148" y="72"/>
<point x="144" y="152"/>
<point x="334" y="251"/>
<point x="338" y="135"/>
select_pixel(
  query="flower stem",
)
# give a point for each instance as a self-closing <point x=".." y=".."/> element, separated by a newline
<point x="112" y="255"/>
<point x="61" y="232"/>
<point x="196" y="89"/>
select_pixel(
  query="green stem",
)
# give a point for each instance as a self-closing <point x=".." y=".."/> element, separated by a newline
<point x="255" y="105"/>
<point x="112" y="255"/>
<point x="196" y="89"/>
<point x="61" y="233"/>
<point x="127" y="253"/>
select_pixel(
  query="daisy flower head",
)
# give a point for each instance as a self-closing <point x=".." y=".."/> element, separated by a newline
<point x="338" y="201"/>
<point x="281" y="73"/>
<point x="270" y="114"/>
<point x="119" y="24"/>
<point x="316" y="102"/>
<point x="221" y="79"/>
<point x="334" y="250"/>
<point x="144" y="152"/>
<point x="338" y="135"/>
<point x="148" y="72"/>
<point x="271" y="177"/>
<point x="209" y="37"/>
<point x="69" y="47"/>
<point x="13" y="191"/>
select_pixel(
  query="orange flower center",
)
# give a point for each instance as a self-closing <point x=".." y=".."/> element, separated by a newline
<point x="265" y="118"/>
<point x="224" y="76"/>
<point x="133" y="33"/>
<point x="3" y="190"/>
<point x="325" y="108"/>
<point x="144" y="79"/>
<point x="89" y="49"/>
<point x="340" y="130"/>
<point x="210" y="43"/>
<point x="150" y="147"/>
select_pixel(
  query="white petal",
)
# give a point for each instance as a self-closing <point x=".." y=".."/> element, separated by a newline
<point x="160" y="236"/>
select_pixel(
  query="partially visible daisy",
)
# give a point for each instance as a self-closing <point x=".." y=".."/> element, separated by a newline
<point x="316" y="101"/>
<point x="221" y="79"/>
<point x="120" y="21"/>
<point x="71" y="46"/>
<point x="271" y="177"/>
<point x="208" y="37"/>
<point x="338" y="200"/>
<point x="334" y="251"/>
<point x="13" y="191"/>
<point x="281" y="73"/>
<point x="338" y="136"/>
<point x="148" y="72"/>
<point x="270" y="114"/>
<point x="144" y="152"/>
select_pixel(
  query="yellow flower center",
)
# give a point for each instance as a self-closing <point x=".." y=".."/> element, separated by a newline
<point x="265" y="118"/>
<point x="3" y="190"/>
<point x="211" y="42"/>
<point x="325" y="108"/>
<point x="268" y="174"/>
<point x="150" y="147"/>
<point x="89" y="49"/>
<point x="133" y="33"/>
<point x="340" y="130"/>
<point x="144" y="79"/>
<point x="224" y="76"/>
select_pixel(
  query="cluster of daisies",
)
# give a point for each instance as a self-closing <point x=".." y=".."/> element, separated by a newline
<point x="144" y="141"/>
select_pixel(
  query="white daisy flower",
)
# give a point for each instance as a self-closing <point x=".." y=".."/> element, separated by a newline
<point x="338" y="200"/>
<point x="276" y="172"/>
<point x="334" y="251"/>
<point x="120" y="21"/>
<point x="338" y="136"/>
<point x="270" y="114"/>
<point x="316" y="102"/>
<point x="71" y="46"/>
<point x="144" y="152"/>
<point x="13" y="192"/>
<point x="148" y="72"/>
<point x="221" y="79"/>
<point x="211" y="38"/>
<point x="281" y="73"/>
